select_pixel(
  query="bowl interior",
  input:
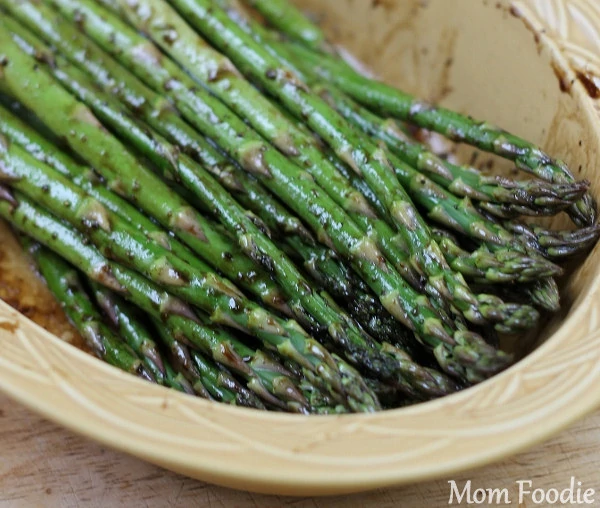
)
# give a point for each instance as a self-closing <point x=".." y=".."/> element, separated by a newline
<point x="481" y="58"/>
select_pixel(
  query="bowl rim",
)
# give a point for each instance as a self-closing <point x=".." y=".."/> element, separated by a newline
<point x="81" y="416"/>
<point x="261" y="479"/>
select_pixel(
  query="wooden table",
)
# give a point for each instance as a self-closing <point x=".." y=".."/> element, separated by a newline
<point x="42" y="464"/>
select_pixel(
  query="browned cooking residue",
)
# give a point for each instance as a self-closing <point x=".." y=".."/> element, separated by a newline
<point x="449" y="41"/>
<point x="515" y="11"/>
<point x="591" y="83"/>
<point x="564" y="81"/>
<point x="22" y="289"/>
<point x="9" y="326"/>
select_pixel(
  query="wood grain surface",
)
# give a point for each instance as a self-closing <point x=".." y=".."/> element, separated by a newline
<point x="42" y="464"/>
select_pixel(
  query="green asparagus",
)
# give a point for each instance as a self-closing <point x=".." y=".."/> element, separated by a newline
<point x="26" y="81"/>
<point x="218" y="383"/>
<point x="177" y="380"/>
<point x="554" y="244"/>
<point x="267" y="327"/>
<point x="128" y="324"/>
<point x="64" y="282"/>
<point x="369" y="310"/>
<point x="260" y="371"/>
<point x="120" y="241"/>
<point x="25" y="137"/>
<point x="530" y="197"/>
<point x="358" y="347"/>
<point x="183" y="364"/>
<point x="173" y="151"/>
<point x="284" y="16"/>
<point x="391" y="101"/>
<point x="255" y="197"/>
<point x="496" y="263"/>
<point x="441" y="205"/>
<point x="260" y="159"/>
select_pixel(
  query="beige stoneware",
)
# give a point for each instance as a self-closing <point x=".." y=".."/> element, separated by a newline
<point x="528" y="66"/>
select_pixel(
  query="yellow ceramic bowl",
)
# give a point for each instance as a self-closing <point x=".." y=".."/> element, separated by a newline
<point x="480" y="57"/>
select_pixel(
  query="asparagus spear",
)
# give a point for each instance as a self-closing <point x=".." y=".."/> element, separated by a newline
<point x="447" y="122"/>
<point x="483" y="265"/>
<point x="64" y="283"/>
<point x="300" y="397"/>
<point x="392" y="102"/>
<point x="356" y="151"/>
<point x="282" y="15"/>
<point x="182" y="362"/>
<point x="250" y="317"/>
<point x="443" y="207"/>
<point x="264" y="376"/>
<point x="196" y="55"/>
<point x="496" y="264"/>
<point x="204" y="374"/>
<point x="493" y="262"/>
<point x="454" y="177"/>
<point x="254" y="318"/>
<point x="192" y="118"/>
<point x="259" y="158"/>
<point x="221" y="386"/>
<point x="252" y="105"/>
<point x="543" y="293"/>
<point x="130" y="328"/>
<point x="532" y="197"/>
<point x="272" y="40"/>
<point x="177" y="380"/>
<point x="124" y="318"/>
<point x="118" y="81"/>
<point x="205" y="289"/>
<point x="343" y="284"/>
<point x="554" y="244"/>
<point x="498" y="267"/>
<point x="124" y="173"/>
<point x="358" y="347"/>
